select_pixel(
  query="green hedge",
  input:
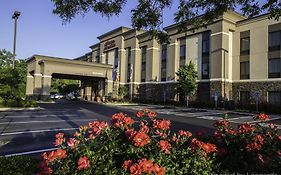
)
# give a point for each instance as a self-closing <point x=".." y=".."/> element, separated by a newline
<point x="18" y="165"/>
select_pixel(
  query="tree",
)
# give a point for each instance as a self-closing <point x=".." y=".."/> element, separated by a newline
<point x="148" y="13"/>
<point x="187" y="76"/>
<point x="12" y="81"/>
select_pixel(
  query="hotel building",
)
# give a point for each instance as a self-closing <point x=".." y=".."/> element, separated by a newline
<point x="237" y="58"/>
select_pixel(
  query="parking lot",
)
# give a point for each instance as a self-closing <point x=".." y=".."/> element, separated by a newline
<point x="32" y="131"/>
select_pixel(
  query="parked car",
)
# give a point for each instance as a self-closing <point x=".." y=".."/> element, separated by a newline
<point x="56" y="96"/>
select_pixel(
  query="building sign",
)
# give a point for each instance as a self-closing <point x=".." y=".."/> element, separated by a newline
<point x="109" y="44"/>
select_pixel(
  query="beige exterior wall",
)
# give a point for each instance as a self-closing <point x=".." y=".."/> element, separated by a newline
<point x="224" y="57"/>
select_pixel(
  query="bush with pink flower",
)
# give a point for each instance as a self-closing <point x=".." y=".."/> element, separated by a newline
<point x="249" y="148"/>
<point x="145" y="144"/>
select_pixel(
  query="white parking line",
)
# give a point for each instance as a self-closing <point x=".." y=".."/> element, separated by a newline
<point x="48" y="121"/>
<point x="36" y="131"/>
<point x="41" y="116"/>
<point x="30" y="152"/>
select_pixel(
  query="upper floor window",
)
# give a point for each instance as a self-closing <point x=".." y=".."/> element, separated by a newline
<point x="182" y="52"/>
<point x="106" y="57"/>
<point x="116" y="61"/>
<point x="274" y="68"/>
<point x="206" y="43"/>
<point x="98" y="56"/>
<point x="245" y="45"/>
<point x="274" y="40"/>
<point x="143" y="63"/>
<point x="163" y="62"/>
<point x="129" y="66"/>
<point x="245" y="70"/>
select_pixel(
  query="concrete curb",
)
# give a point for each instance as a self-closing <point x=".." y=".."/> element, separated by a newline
<point x="19" y="109"/>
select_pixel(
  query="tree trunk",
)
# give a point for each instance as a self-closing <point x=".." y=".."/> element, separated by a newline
<point x="187" y="100"/>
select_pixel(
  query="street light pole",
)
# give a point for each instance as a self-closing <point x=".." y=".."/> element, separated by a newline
<point x="15" y="17"/>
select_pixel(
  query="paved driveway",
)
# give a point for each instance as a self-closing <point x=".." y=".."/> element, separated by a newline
<point x="33" y="131"/>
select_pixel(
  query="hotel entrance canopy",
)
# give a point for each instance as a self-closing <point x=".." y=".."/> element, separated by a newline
<point x="41" y="69"/>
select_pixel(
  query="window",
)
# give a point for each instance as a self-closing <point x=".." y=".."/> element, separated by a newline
<point x="129" y="66"/>
<point x="182" y="52"/>
<point x="143" y="63"/>
<point x="163" y="62"/>
<point x="245" y="46"/>
<point x="274" y="98"/>
<point x="205" y="55"/>
<point x="206" y="46"/>
<point x="116" y="64"/>
<point x="244" y="70"/>
<point x="274" y="40"/>
<point x="98" y="56"/>
<point x="274" y="68"/>
<point x="205" y="70"/>
<point x="106" y="57"/>
<point x="244" y="97"/>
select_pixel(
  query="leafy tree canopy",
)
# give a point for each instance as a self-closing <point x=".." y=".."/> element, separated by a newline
<point x="187" y="76"/>
<point x="12" y="81"/>
<point x="148" y="13"/>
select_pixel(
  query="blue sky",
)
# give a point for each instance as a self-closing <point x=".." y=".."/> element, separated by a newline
<point x="42" y="32"/>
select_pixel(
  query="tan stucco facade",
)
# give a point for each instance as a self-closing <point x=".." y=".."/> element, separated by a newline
<point x="41" y="70"/>
<point x="215" y="50"/>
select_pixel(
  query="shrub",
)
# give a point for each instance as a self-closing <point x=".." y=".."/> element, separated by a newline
<point x="129" y="147"/>
<point x="248" y="148"/>
<point x="18" y="165"/>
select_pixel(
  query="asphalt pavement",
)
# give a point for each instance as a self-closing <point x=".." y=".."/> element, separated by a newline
<point x="33" y="131"/>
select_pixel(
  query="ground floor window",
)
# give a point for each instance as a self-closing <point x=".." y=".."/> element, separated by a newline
<point x="274" y="98"/>
<point x="244" y="97"/>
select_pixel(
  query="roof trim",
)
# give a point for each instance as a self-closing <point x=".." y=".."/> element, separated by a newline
<point x="112" y="31"/>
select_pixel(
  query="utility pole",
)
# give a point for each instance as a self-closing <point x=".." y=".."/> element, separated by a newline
<point x="15" y="17"/>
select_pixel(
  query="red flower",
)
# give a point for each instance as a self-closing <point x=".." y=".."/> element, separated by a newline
<point x="60" y="154"/>
<point x="120" y="120"/>
<point x="144" y="128"/>
<point x="152" y="114"/>
<point x="159" y="170"/>
<point x="51" y="156"/>
<point x="127" y="164"/>
<point x="161" y="124"/>
<point x="253" y="146"/>
<point x="246" y="128"/>
<point x="262" y="117"/>
<point x="175" y="139"/>
<point x="259" y="138"/>
<point x="146" y="166"/>
<point x="222" y="123"/>
<point x="139" y="114"/>
<point x="207" y="147"/>
<point x="72" y="143"/>
<point x="161" y="134"/>
<point x="59" y="135"/>
<point x="130" y="133"/>
<point x="141" y="139"/>
<point x="165" y="146"/>
<point x="59" y="139"/>
<point x="272" y="126"/>
<point x="83" y="163"/>
<point x="96" y="127"/>
<point x="185" y="133"/>
<point x="135" y="169"/>
<point x="279" y="138"/>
